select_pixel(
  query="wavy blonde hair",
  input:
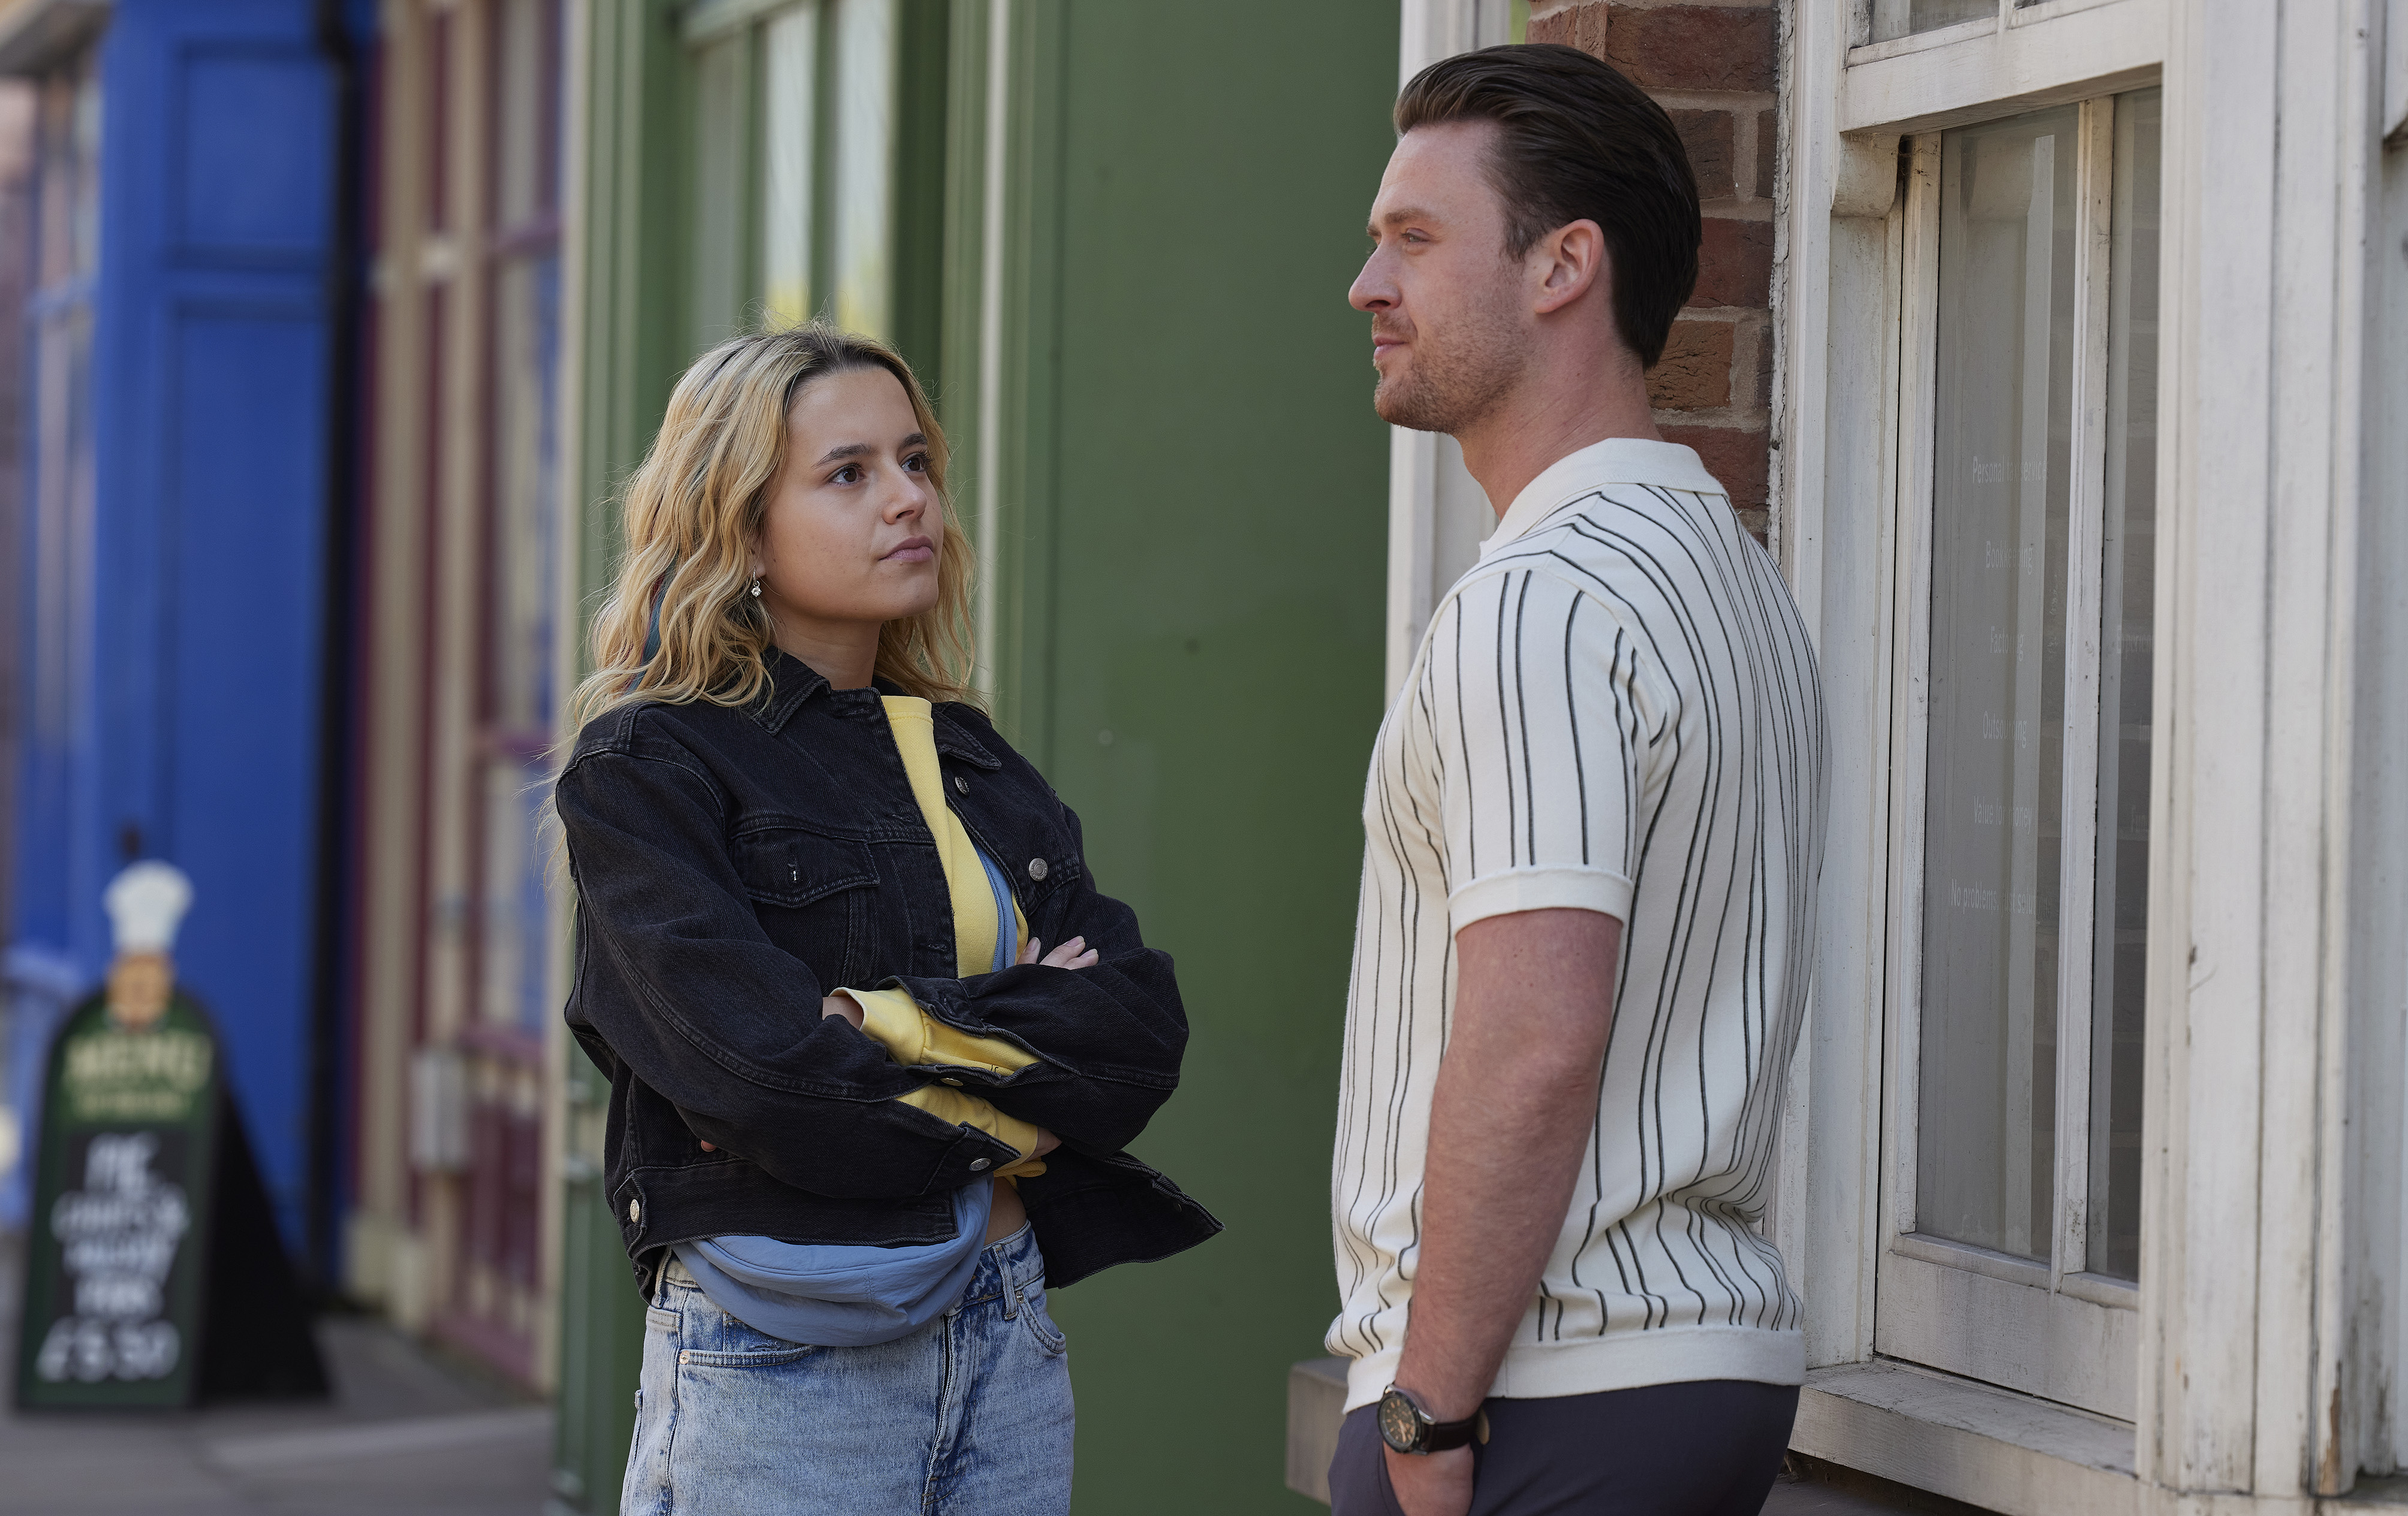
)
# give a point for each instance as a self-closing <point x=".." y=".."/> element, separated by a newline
<point x="692" y="512"/>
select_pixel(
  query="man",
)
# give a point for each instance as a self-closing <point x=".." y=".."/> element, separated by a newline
<point x="1594" y="823"/>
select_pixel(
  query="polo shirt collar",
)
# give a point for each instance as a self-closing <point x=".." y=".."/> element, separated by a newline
<point x="1617" y="460"/>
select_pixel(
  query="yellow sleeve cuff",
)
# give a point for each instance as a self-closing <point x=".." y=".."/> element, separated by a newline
<point x="942" y="1044"/>
<point x="891" y="1019"/>
<point x="911" y="1036"/>
<point x="965" y="1109"/>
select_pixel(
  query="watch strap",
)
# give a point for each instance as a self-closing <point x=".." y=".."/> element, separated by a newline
<point x="1430" y="1434"/>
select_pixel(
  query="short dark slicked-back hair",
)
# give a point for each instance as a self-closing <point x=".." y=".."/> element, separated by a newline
<point x="1577" y="141"/>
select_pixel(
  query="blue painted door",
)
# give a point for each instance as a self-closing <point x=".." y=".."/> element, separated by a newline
<point x="194" y="729"/>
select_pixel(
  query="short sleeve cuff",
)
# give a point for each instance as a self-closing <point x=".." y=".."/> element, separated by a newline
<point x="1512" y="890"/>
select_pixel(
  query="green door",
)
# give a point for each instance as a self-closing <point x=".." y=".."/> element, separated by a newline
<point x="1193" y="543"/>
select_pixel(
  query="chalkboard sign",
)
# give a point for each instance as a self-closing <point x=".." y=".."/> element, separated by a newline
<point x="154" y="1275"/>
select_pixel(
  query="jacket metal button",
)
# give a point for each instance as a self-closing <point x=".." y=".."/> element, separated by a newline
<point x="635" y="1212"/>
<point x="977" y="1163"/>
<point x="1036" y="868"/>
<point x="961" y="785"/>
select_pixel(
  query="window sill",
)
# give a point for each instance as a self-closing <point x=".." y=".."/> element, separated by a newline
<point x="1316" y="1405"/>
<point x="1993" y="1448"/>
<point x="2389" y="1494"/>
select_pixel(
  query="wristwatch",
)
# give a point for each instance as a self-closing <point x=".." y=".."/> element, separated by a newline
<point x="1405" y="1426"/>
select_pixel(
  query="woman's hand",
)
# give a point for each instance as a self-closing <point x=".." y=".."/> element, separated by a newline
<point x="1074" y="954"/>
<point x="842" y="1004"/>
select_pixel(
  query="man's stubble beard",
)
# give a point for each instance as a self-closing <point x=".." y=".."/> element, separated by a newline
<point x="1455" y="381"/>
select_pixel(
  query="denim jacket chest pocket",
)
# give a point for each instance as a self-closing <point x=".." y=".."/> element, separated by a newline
<point x="1020" y="825"/>
<point x="813" y="893"/>
<point x="1040" y="864"/>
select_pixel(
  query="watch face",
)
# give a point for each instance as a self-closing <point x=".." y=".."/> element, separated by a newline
<point x="1400" y="1422"/>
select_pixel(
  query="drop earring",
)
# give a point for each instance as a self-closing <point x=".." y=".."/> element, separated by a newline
<point x="756" y="589"/>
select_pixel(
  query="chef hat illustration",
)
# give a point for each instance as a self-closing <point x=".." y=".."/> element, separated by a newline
<point x="146" y="903"/>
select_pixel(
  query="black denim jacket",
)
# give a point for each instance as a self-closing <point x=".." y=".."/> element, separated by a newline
<point x="735" y="865"/>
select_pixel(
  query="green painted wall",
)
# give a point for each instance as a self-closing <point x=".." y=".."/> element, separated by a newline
<point x="1197" y="611"/>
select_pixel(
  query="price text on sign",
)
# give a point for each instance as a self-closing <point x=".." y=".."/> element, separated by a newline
<point x="127" y="1162"/>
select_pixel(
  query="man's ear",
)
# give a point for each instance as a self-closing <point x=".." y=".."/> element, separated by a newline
<point x="1573" y="261"/>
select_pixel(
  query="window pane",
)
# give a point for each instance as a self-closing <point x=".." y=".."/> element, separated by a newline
<point x="865" y="156"/>
<point x="511" y="991"/>
<point x="1904" y="18"/>
<point x="524" y="553"/>
<point x="524" y="107"/>
<point x="522" y="566"/>
<point x="790" y="44"/>
<point x="720" y="189"/>
<point x="1985" y="1151"/>
<point x="2127" y="604"/>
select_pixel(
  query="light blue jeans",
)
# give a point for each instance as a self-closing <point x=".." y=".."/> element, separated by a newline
<point x="972" y="1413"/>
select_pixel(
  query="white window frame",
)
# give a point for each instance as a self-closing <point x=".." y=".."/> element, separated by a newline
<point x="2274" y="1290"/>
<point x="1858" y="423"/>
<point x="2039" y="1327"/>
<point x="1438" y="515"/>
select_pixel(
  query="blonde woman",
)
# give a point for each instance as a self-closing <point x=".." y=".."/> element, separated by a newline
<point x="861" y="1113"/>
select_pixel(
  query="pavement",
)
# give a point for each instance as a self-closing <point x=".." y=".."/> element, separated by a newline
<point x="408" y="1431"/>
<point x="1808" y="1487"/>
<point x="1793" y="1496"/>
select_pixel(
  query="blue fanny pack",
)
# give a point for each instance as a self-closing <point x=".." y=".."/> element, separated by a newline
<point x="842" y="1296"/>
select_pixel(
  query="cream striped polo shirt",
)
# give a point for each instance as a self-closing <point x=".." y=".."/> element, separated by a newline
<point x="1615" y="710"/>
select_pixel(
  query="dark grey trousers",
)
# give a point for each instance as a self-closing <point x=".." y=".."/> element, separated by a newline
<point x="1710" y="1448"/>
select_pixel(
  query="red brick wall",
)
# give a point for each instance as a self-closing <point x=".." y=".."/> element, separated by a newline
<point x="1713" y="69"/>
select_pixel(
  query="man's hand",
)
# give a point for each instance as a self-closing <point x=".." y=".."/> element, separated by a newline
<point x="1432" y="1483"/>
